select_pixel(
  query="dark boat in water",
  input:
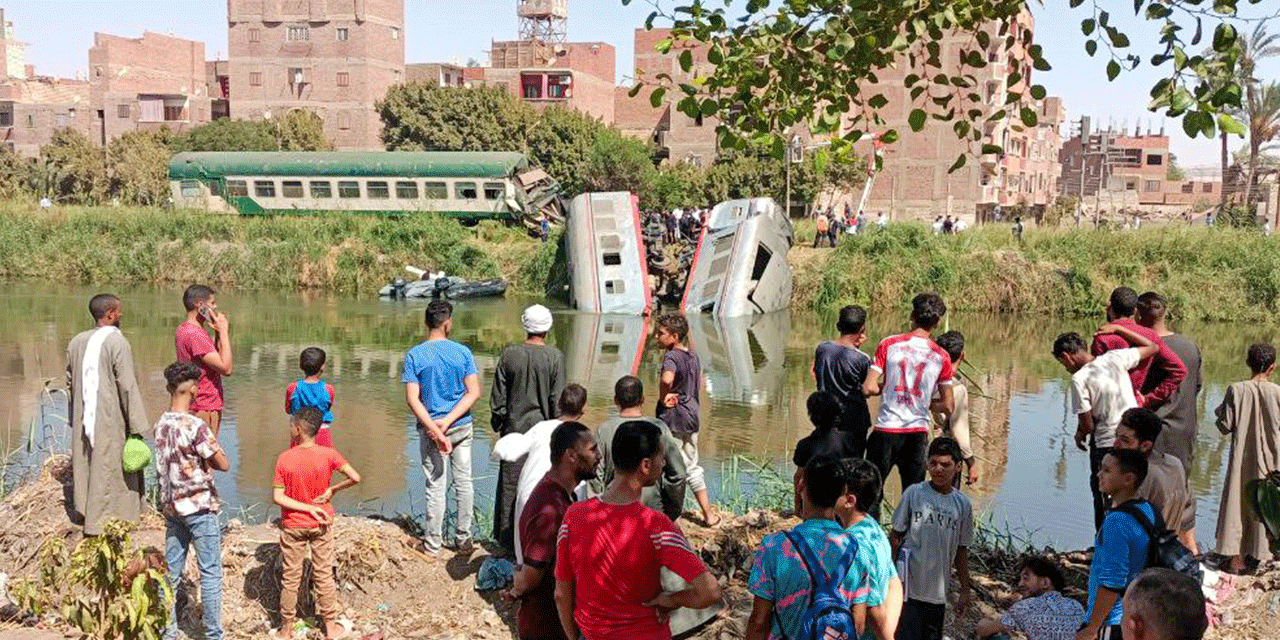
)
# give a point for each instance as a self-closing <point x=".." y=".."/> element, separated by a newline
<point x="449" y="288"/>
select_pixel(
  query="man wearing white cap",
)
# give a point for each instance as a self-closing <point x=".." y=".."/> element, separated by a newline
<point x="526" y="384"/>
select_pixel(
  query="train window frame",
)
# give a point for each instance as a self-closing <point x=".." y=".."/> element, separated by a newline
<point x="377" y="190"/>
<point x="237" y="189"/>
<point x="321" y="189"/>
<point x="345" y="187"/>
<point x="433" y="190"/>
<point x="190" y="188"/>
<point x="462" y="186"/>
<point x="264" y="188"/>
<point x="406" y="190"/>
<point x="291" y="189"/>
<point x="495" y="190"/>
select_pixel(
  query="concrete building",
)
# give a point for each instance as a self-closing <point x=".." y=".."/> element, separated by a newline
<point x="336" y="58"/>
<point x="146" y="83"/>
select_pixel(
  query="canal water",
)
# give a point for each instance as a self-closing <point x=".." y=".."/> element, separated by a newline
<point x="1033" y="485"/>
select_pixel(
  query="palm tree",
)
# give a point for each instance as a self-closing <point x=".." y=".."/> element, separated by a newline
<point x="1259" y="46"/>
<point x="1263" y="113"/>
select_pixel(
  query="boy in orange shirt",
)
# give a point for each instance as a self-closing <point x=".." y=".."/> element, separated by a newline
<point x="301" y="488"/>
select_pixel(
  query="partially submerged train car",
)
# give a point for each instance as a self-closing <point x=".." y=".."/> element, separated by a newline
<point x="608" y="266"/>
<point x="465" y="185"/>
<point x="740" y="266"/>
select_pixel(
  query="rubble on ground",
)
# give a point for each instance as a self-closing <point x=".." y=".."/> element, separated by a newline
<point x="390" y="589"/>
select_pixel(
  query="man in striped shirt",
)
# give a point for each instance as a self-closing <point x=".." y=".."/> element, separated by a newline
<point x="611" y="549"/>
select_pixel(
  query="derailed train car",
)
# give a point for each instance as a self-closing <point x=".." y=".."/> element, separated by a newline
<point x="608" y="268"/>
<point x="740" y="266"/>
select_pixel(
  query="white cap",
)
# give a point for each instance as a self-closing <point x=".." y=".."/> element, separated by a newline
<point x="536" y="319"/>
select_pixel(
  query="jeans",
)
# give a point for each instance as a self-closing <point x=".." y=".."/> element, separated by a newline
<point x="1096" y="454"/>
<point x="433" y="465"/>
<point x="203" y="530"/>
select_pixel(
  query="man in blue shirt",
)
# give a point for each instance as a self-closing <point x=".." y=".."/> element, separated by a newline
<point x="1120" y="550"/>
<point x="441" y="384"/>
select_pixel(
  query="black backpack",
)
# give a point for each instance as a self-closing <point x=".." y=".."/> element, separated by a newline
<point x="1163" y="547"/>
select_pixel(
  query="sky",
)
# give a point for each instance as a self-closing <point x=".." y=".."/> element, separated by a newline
<point x="60" y="32"/>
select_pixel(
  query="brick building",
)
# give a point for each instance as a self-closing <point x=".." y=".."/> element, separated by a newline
<point x="678" y="137"/>
<point x="438" y="73"/>
<point x="336" y="58"/>
<point x="146" y="83"/>
<point x="577" y="75"/>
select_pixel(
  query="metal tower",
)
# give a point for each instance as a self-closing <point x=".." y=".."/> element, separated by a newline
<point x="543" y="20"/>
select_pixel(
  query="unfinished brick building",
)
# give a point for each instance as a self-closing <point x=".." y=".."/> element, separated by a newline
<point x="336" y="58"/>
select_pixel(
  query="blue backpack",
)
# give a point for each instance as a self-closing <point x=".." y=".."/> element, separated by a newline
<point x="828" y="616"/>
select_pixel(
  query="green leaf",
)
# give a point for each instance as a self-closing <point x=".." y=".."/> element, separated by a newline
<point x="1113" y="70"/>
<point x="878" y="101"/>
<point x="916" y="119"/>
<point x="686" y="60"/>
<point x="1040" y="64"/>
<point x="984" y="39"/>
<point x="663" y="46"/>
<point x="714" y="56"/>
<point x="635" y="90"/>
<point x="889" y="137"/>
<point x="655" y="98"/>
<point x="1118" y="39"/>
<point x="1028" y="116"/>
<point x="710" y="106"/>
<point x="1224" y="37"/>
<point x="1091" y="47"/>
<point x="960" y="162"/>
<point x="1229" y="124"/>
<point x="1190" y="125"/>
<point x="1086" y="26"/>
<point x="1038" y="92"/>
<point x="992" y="148"/>
<point x="688" y="88"/>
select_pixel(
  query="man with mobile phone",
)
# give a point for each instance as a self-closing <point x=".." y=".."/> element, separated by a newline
<point x="212" y="355"/>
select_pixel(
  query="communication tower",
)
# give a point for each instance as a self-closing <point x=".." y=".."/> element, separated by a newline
<point x="543" y="20"/>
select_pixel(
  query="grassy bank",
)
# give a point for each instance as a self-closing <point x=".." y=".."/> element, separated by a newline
<point x="1207" y="274"/>
<point x="351" y="254"/>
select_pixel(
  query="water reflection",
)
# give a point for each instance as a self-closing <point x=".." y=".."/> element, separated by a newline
<point x="757" y="379"/>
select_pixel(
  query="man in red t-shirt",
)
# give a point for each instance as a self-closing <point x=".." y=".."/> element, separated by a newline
<point x="213" y="356"/>
<point x="1155" y="378"/>
<point x="301" y="488"/>
<point x="611" y="551"/>
<point x="574" y="456"/>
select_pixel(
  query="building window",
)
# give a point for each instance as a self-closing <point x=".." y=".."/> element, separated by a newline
<point x="465" y="190"/>
<point x="31" y="121"/>
<point x="344" y="79"/>
<point x="1188" y="187"/>
<point x="291" y="188"/>
<point x="237" y="188"/>
<point x="255" y="78"/>
<point x="190" y="189"/>
<point x="344" y="120"/>
<point x="255" y="35"/>
<point x="407" y="190"/>
<point x="348" y="189"/>
<point x="395" y="33"/>
<point x="123" y="111"/>
<point x="1207" y="188"/>
<point x="1153" y="186"/>
<point x="6" y="116"/>
<point x="1155" y="159"/>
<point x="435" y="191"/>
<point x="377" y="190"/>
<point x="494" y="190"/>
<point x="558" y="85"/>
<point x="343" y="34"/>
<point x="531" y="86"/>
<point x="298" y="34"/>
<point x="264" y="188"/>
<point x="162" y="108"/>
<point x="321" y="189"/>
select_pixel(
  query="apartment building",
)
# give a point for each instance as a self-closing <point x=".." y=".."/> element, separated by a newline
<point x="336" y="58"/>
<point x="146" y="83"/>
<point x="678" y="137"/>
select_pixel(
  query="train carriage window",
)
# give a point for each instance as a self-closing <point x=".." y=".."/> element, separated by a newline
<point x="377" y="189"/>
<point x="237" y="188"/>
<point x="348" y="189"/>
<point x="494" y="190"/>
<point x="190" y="189"/>
<point x="291" y="189"/>
<point x="435" y="191"/>
<point x="264" y="188"/>
<point x="465" y="190"/>
<point x="321" y="189"/>
<point x="407" y="190"/>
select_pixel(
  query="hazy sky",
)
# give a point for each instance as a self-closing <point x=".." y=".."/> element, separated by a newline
<point x="60" y="32"/>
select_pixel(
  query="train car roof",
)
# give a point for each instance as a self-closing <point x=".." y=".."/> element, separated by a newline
<point x="390" y="164"/>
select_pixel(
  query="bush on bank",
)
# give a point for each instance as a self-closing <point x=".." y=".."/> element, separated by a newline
<point x="1206" y="273"/>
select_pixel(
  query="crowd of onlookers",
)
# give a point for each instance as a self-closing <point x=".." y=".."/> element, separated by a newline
<point x="589" y="514"/>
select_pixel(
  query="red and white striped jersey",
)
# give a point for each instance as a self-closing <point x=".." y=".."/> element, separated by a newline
<point x="913" y="367"/>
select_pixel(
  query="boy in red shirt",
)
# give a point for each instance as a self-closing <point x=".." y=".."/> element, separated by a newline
<point x="301" y="488"/>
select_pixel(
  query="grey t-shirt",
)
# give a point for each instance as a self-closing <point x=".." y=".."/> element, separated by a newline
<point x="1178" y="438"/>
<point x="935" y="524"/>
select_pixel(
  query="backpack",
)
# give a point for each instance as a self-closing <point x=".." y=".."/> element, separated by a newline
<point x="1163" y="547"/>
<point x="828" y="616"/>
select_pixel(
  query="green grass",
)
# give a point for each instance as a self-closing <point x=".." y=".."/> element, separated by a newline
<point x="1206" y="274"/>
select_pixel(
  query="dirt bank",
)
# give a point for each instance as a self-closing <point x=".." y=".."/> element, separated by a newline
<point x="390" y="589"/>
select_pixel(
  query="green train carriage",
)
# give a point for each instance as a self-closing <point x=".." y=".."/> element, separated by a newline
<point x="469" y="186"/>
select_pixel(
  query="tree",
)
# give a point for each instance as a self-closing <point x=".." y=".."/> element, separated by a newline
<point x="423" y="117"/>
<point x="229" y="135"/>
<point x="1263" y="112"/>
<point x="139" y="167"/>
<point x="1257" y="47"/>
<point x="300" y="130"/>
<point x="76" y="171"/>
<point x="619" y="163"/>
<point x="561" y="140"/>
<point x="676" y="184"/>
<point x="1174" y="172"/>
<point x="19" y="176"/>
<point x="778" y="66"/>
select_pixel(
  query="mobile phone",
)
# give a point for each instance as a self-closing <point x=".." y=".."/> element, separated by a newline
<point x="204" y="313"/>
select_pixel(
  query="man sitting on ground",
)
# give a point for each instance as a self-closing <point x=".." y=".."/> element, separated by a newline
<point x="1043" y="613"/>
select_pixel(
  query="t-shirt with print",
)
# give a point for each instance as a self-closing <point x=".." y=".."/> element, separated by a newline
<point x="184" y="444"/>
<point x="1120" y="554"/>
<point x="305" y="472"/>
<point x="876" y="556"/>
<point x="440" y="367"/>
<point x="935" y="525"/>
<point x="683" y="418"/>
<point x="842" y="370"/>
<point x="539" y="527"/>
<point x="779" y="575"/>
<point x="191" y="342"/>
<point x="613" y="555"/>
<point x="1102" y="389"/>
<point x="1051" y="616"/>
<point x="913" y="367"/>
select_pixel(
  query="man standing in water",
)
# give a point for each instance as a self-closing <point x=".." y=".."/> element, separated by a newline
<point x="1181" y="422"/>
<point x="104" y="408"/>
<point x="526" y="384"/>
<point x="213" y="356"/>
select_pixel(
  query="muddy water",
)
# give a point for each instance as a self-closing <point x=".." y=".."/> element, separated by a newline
<point x="1034" y="481"/>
